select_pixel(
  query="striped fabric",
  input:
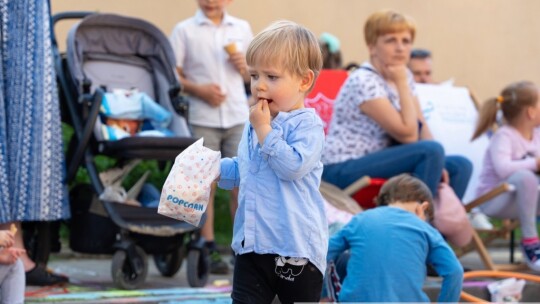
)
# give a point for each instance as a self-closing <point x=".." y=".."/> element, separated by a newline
<point x="31" y="156"/>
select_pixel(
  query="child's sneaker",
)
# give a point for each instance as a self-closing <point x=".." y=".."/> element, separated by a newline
<point x="480" y="221"/>
<point x="531" y="253"/>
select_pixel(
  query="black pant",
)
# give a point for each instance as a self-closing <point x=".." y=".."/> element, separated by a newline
<point x="258" y="278"/>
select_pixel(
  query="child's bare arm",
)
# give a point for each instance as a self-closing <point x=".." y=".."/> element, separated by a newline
<point x="10" y="255"/>
<point x="238" y="59"/>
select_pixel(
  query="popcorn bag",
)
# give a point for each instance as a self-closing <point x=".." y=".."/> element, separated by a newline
<point x="186" y="191"/>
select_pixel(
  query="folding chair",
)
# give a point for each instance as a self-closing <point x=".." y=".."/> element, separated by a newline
<point x="321" y="98"/>
<point x="482" y="238"/>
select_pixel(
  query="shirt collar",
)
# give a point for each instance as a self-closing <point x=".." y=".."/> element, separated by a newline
<point x="201" y="19"/>
<point x="284" y="116"/>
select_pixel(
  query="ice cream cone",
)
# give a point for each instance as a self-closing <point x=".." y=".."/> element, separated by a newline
<point x="230" y="48"/>
<point x="13" y="229"/>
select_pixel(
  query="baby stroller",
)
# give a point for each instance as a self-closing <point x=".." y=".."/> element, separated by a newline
<point x="107" y="52"/>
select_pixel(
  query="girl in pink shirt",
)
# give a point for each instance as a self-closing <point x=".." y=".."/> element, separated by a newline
<point x="513" y="156"/>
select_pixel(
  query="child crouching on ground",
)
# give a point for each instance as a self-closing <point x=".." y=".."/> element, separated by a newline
<point x="280" y="232"/>
<point x="390" y="246"/>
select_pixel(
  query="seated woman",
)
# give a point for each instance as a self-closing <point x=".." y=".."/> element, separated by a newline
<point x="377" y="128"/>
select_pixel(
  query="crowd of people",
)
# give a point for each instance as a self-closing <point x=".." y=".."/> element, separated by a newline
<point x="275" y="154"/>
<point x="377" y="129"/>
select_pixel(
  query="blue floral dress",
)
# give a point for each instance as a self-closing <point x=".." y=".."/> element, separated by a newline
<point x="31" y="156"/>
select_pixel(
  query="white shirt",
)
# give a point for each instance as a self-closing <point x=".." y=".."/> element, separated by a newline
<point x="198" y="46"/>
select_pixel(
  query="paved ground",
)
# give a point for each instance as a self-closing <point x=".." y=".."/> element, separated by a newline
<point x="96" y="270"/>
<point x="91" y="280"/>
<point x="91" y="274"/>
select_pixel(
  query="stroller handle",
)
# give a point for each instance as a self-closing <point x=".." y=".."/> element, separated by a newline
<point x="66" y="16"/>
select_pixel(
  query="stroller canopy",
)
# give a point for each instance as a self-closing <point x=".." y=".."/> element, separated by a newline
<point x="115" y="36"/>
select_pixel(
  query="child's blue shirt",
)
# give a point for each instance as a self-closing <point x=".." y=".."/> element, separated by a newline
<point x="389" y="250"/>
<point x="280" y="209"/>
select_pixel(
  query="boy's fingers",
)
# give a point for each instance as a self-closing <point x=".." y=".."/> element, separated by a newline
<point x="254" y="106"/>
<point x="264" y="105"/>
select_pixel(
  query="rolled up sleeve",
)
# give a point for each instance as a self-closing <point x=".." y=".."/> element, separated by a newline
<point x="230" y="177"/>
<point x="293" y="157"/>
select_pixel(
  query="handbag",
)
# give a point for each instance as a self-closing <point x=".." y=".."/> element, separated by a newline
<point x="450" y="217"/>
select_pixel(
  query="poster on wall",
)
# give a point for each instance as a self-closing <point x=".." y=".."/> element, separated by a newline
<point x="451" y="115"/>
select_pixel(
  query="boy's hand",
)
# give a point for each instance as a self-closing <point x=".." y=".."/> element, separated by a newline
<point x="10" y="255"/>
<point x="260" y="114"/>
<point x="445" y="177"/>
<point x="260" y="119"/>
<point x="212" y="94"/>
<point x="238" y="59"/>
<point x="6" y="238"/>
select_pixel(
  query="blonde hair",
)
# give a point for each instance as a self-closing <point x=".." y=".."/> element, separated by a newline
<point x="404" y="188"/>
<point x="513" y="100"/>
<point x="385" y="22"/>
<point x="289" y="45"/>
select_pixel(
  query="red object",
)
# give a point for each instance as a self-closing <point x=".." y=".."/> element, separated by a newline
<point x="322" y="98"/>
<point x="365" y="197"/>
<point x="324" y="92"/>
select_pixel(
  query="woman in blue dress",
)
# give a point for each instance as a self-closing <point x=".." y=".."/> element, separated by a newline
<point x="31" y="156"/>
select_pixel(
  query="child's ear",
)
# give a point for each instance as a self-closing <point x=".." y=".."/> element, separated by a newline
<point x="422" y="210"/>
<point x="531" y="112"/>
<point x="307" y="81"/>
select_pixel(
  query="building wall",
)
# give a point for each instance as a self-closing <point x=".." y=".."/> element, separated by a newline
<point x="482" y="44"/>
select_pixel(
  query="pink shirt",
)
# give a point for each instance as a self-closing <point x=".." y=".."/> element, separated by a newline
<point x="507" y="153"/>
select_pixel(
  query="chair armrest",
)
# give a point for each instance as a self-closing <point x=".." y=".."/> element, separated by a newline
<point x="504" y="187"/>
<point x="338" y="198"/>
<point x="362" y="182"/>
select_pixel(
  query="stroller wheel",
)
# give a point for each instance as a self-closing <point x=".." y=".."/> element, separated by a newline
<point x="129" y="273"/>
<point x="168" y="264"/>
<point x="198" y="267"/>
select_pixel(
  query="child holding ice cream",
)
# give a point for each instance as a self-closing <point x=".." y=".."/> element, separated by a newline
<point x="280" y="232"/>
<point x="213" y="76"/>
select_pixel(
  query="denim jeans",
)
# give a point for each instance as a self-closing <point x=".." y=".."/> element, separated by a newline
<point x="423" y="159"/>
<point x="459" y="169"/>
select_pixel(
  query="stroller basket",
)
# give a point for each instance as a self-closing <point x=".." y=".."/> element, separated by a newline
<point x="107" y="52"/>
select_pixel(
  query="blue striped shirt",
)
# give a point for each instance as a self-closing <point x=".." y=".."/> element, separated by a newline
<point x="280" y="208"/>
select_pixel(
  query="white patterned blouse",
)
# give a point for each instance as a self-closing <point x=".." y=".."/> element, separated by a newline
<point x="353" y="134"/>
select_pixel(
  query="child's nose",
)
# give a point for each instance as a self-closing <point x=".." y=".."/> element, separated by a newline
<point x="260" y="85"/>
